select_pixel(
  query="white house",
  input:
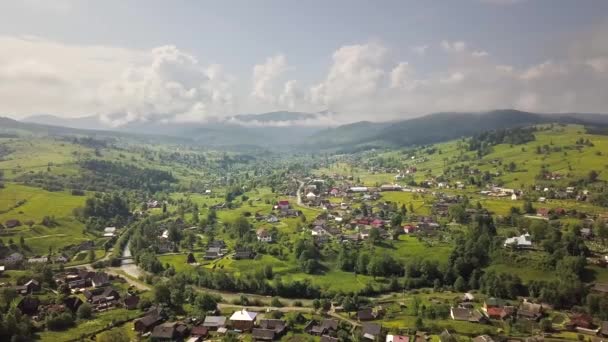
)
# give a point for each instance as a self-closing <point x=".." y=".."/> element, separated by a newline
<point x="319" y="231"/>
<point x="358" y="189"/>
<point x="514" y="197"/>
<point x="311" y="196"/>
<point x="522" y="241"/>
<point x="109" y="231"/>
<point x="264" y="235"/>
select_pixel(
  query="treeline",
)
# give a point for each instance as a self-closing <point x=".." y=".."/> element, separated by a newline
<point x="483" y="142"/>
<point x="103" y="176"/>
<point x="127" y="176"/>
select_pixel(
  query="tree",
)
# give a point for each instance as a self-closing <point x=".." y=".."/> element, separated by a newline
<point x="84" y="311"/>
<point x="162" y="293"/>
<point x="601" y="230"/>
<point x="374" y="236"/>
<point x="205" y="302"/>
<point x="419" y="324"/>
<point x="191" y="259"/>
<point x="91" y="255"/>
<point x="546" y="325"/>
<point x="316" y="304"/>
<point x="114" y="335"/>
<point x="460" y="284"/>
<point x="276" y="302"/>
<point x="593" y="176"/>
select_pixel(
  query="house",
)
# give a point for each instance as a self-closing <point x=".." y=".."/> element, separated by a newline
<point x="371" y="331"/>
<point x="264" y="235"/>
<point x="460" y="314"/>
<point x="109" y="232"/>
<point x="409" y="229"/>
<point x="72" y="303"/>
<point x="214" y="322"/>
<point x="580" y="320"/>
<point x="604" y="329"/>
<point x="29" y="305"/>
<point x="100" y="279"/>
<point x="243" y="253"/>
<point x="38" y="260"/>
<point x="311" y="196"/>
<point x="324" y="327"/>
<point x="2" y="268"/>
<point x="169" y="331"/>
<point x="600" y="287"/>
<point x="12" y="223"/>
<point x="283" y="205"/>
<point x="483" y="338"/>
<point x="542" y="212"/>
<point x="277" y="325"/>
<point x="530" y="311"/>
<point x="213" y="253"/>
<point x="468" y="297"/>
<point x="334" y="192"/>
<point x="28" y="288"/>
<point x="377" y="223"/>
<point x="465" y="314"/>
<point x="61" y="259"/>
<point x="522" y="241"/>
<point x="150" y="320"/>
<point x="107" y="296"/>
<point x="272" y="219"/>
<point x="243" y="320"/>
<point x="365" y="314"/>
<point x="199" y="331"/>
<point x="152" y="204"/>
<point x="131" y="302"/>
<point x="260" y="334"/>
<point x="397" y="338"/>
<point x="319" y="231"/>
<point x="13" y="259"/>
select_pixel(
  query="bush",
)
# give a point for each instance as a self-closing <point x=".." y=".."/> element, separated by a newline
<point x="276" y="302"/>
<point x="84" y="311"/>
<point x="59" y="321"/>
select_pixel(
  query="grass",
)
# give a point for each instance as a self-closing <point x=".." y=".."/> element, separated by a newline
<point x="99" y="322"/>
<point x="38" y="203"/>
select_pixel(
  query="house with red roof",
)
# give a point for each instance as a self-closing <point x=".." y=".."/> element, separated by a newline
<point x="377" y="223"/>
<point x="409" y="229"/>
<point x="283" y="205"/>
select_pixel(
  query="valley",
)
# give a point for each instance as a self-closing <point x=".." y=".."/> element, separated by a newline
<point x="497" y="232"/>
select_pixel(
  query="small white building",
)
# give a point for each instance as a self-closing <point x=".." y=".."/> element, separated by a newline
<point x="264" y="235"/>
<point x="109" y="232"/>
<point x="311" y="196"/>
<point x="522" y="241"/>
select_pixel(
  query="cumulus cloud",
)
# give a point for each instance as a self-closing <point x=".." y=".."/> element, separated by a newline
<point x="266" y="77"/>
<point x="356" y="73"/>
<point x="420" y="49"/>
<point x="458" y="46"/>
<point x="173" y="85"/>
<point x="364" y="81"/>
<point x="120" y="85"/>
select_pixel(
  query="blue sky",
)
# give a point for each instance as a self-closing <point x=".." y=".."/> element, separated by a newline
<point x="194" y="60"/>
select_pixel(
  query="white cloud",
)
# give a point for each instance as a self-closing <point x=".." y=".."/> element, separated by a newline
<point x="480" y="53"/>
<point x="420" y="49"/>
<point x="457" y="46"/>
<point x="266" y="77"/>
<point x="356" y="73"/>
<point x="363" y="82"/>
<point x="122" y="85"/>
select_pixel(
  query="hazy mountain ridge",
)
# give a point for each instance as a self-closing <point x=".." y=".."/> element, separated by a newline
<point x="426" y="129"/>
